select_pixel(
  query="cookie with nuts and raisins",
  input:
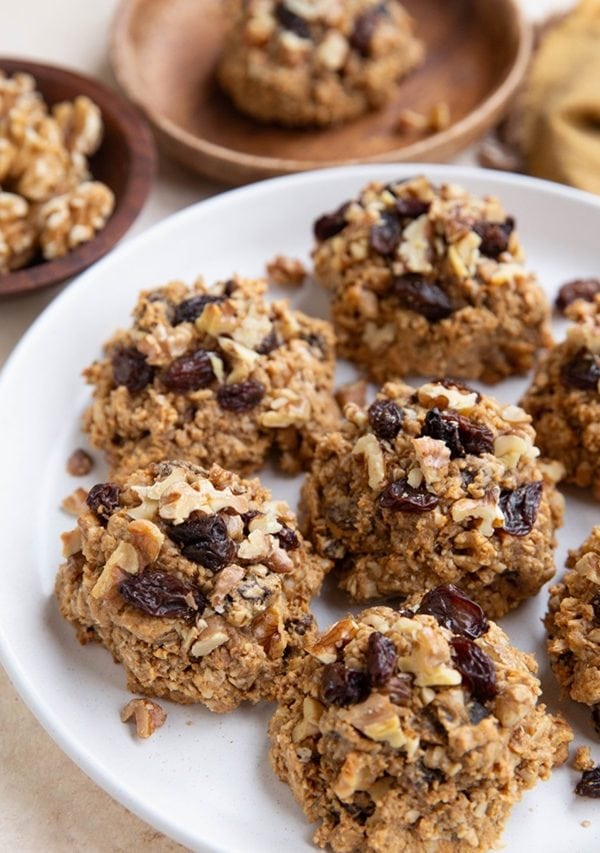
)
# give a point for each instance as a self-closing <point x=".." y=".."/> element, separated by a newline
<point x="430" y="281"/>
<point x="213" y="375"/>
<point x="564" y="398"/>
<point x="196" y="581"/>
<point x="434" y="485"/>
<point x="413" y="730"/>
<point x="315" y="62"/>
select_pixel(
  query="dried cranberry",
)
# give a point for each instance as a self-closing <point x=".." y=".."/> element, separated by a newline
<point x="582" y="371"/>
<point x="581" y="288"/>
<point x="455" y="611"/>
<point x="411" y="208"/>
<point x="288" y="538"/>
<point x="190" y="309"/>
<point x="421" y="296"/>
<point x="189" y="372"/>
<point x="364" y="29"/>
<point x="595" y="602"/>
<point x="240" y="396"/>
<point x="385" y="237"/>
<point x="385" y="418"/>
<point x="130" y="368"/>
<point x="520" y="508"/>
<point x="330" y="224"/>
<point x="381" y="659"/>
<point x="402" y="497"/>
<point x="103" y="499"/>
<point x="476" y="667"/>
<point x="292" y="22"/>
<point x="460" y="434"/>
<point x="204" y="539"/>
<point x="343" y="686"/>
<point x="160" y="594"/>
<point x="268" y="343"/>
<point x="494" y="236"/>
<point x="589" y="784"/>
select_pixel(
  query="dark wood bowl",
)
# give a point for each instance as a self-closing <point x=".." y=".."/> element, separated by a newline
<point x="164" y="54"/>
<point x="125" y="161"/>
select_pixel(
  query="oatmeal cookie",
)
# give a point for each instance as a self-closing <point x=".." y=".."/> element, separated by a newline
<point x="438" y="484"/>
<point x="415" y="730"/>
<point x="315" y="62"/>
<point x="430" y="281"/>
<point x="213" y="375"/>
<point x="196" y="581"/>
<point x="564" y="398"/>
<point x="573" y="625"/>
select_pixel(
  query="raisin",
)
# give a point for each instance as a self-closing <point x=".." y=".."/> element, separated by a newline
<point x="160" y="594"/>
<point x="381" y="659"/>
<point x="204" y="539"/>
<point x="189" y="372"/>
<point x="402" y="497"/>
<point x="247" y="518"/>
<point x="581" y="288"/>
<point x="476" y="667"/>
<point x="589" y="784"/>
<point x="411" y="208"/>
<point x="582" y="371"/>
<point x="595" y="602"/>
<point x="364" y="29"/>
<point x="494" y="236"/>
<point x="455" y="611"/>
<point x="520" y="508"/>
<point x="268" y="343"/>
<point x="596" y="718"/>
<point x="385" y="418"/>
<point x="130" y="368"/>
<point x="330" y="224"/>
<point x="288" y="538"/>
<point x="385" y="237"/>
<point x="190" y="309"/>
<point x="240" y="396"/>
<point x="460" y="434"/>
<point x="300" y="625"/>
<point x="103" y="499"/>
<point x="421" y="296"/>
<point x="292" y="22"/>
<point x="343" y="686"/>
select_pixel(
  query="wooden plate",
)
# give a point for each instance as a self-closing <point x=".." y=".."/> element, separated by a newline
<point x="164" y="52"/>
<point x="125" y="161"/>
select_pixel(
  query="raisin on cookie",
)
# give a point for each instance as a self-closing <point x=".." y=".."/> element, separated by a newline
<point x="196" y="581"/>
<point x="434" y="485"/>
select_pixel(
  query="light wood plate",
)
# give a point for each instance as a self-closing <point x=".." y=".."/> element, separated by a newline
<point x="164" y="53"/>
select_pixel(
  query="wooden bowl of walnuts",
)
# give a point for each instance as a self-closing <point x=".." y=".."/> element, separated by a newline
<point x="76" y="166"/>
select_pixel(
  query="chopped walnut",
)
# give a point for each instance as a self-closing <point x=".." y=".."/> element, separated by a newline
<point x="149" y="716"/>
<point x="352" y="392"/>
<point x="79" y="463"/>
<point x="80" y="123"/>
<point x="69" y="220"/>
<point x="369" y="447"/>
<point x="285" y="270"/>
<point x="74" y="503"/>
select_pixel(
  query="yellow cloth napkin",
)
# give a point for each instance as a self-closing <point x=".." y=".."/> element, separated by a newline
<point x="561" y="115"/>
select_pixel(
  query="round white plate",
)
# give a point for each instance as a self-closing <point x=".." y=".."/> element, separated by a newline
<point x="204" y="779"/>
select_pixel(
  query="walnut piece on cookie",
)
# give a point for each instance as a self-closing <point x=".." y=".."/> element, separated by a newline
<point x="430" y="280"/>
<point x="196" y="581"/>
<point x="433" y="485"/>
<point x="564" y="398"/>
<point x="315" y="62"/>
<point x="413" y="730"/>
<point x="213" y="375"/>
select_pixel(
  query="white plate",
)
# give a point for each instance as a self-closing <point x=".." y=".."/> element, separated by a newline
<point x="205" y="779"/>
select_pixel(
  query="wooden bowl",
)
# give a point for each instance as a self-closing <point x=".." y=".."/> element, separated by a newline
<point x="125" y="162"/>
<point x="164" y="53"/>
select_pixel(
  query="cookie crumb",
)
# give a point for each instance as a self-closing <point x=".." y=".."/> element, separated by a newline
<point x="583" y="758"/>
<point x="351" y="392"/>
<point x="439" y="116"/>
<point x="285" y="270"/>
<point x="585" y="823"/>
<point x="409" y="121"/>
<point x="74" y="503"/>
<point x="149" y="716"/>
<point x="79" y="463"/>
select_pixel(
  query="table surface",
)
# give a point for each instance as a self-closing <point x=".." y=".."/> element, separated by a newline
<point x="46" y="802"/>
